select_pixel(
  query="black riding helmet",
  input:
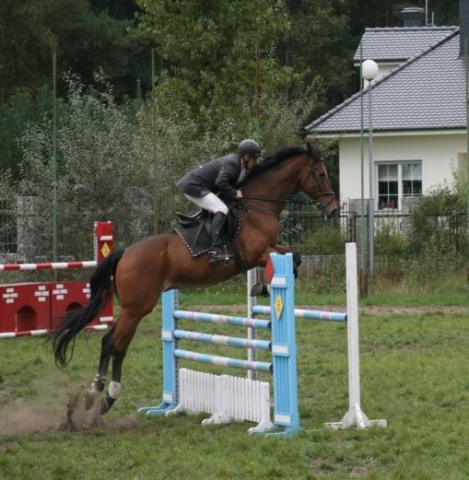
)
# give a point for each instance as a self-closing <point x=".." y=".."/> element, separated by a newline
<point x="250" y="147"/>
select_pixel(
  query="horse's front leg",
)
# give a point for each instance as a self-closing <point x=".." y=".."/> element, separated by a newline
<point x="296" y="256"/>
<point x="260" y="288"/>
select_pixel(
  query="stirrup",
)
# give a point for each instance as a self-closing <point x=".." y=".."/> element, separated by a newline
<point x="218" y="255"/>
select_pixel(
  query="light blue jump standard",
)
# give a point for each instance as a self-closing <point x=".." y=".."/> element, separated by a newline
<point x="283" y="347"/>
<point x="169" y="305"/>
<point x="284" y="350"/>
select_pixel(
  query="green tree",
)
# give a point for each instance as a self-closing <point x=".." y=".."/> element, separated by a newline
<point x="103" y="173"/>
<point x="387" y="13"/>
<point x="26" y="45"/>
<point x="92" y="41"/>
<point x="88" y="38"/>
<point x="214" y="54"/>
<point x="16" y="114"/>
<point x="319" y="47"/>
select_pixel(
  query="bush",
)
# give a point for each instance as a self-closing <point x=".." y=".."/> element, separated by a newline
<point x="437" y="248"/>
<point x="327" y="241"/>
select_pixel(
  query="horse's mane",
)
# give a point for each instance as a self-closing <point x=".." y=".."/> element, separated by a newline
<point x="272" y="161"/>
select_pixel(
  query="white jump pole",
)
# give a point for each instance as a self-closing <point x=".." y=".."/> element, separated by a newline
<point x="354" y="417"/>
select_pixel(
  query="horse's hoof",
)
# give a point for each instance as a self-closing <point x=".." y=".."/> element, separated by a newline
<point x="90" y="398"/>
<point x="256" y="289"/>
<point x="259" y="290"/>
<point x="106" y="404"/>
<point x="297" y="259"/>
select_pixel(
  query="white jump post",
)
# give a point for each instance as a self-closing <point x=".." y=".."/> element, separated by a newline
<point x="354" y="417"/>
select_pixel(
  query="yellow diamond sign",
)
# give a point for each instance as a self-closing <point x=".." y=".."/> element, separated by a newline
<point x="105" y="250"/>
<point x="278" y="306"/>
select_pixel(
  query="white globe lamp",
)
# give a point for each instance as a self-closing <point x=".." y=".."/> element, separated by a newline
<point x="369" y="70"/>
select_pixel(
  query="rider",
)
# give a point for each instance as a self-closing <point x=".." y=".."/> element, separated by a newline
<point x="221" y="175"/>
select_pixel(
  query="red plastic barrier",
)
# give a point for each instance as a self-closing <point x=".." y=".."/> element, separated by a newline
<point x="66" y="296"/>
<point x="35" y="308"/>
<point x="24" y="307"/>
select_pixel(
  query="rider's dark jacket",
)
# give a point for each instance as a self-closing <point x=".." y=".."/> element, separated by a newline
<point x="218" y="176"/>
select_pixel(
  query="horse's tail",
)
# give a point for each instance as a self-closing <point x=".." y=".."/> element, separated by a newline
<point x="76" y="320"/>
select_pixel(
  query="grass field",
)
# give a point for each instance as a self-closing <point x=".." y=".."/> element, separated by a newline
<point x="414" y="373"/>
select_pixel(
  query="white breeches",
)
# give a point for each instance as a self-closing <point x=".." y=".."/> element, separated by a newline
<point x="209" y="202"/>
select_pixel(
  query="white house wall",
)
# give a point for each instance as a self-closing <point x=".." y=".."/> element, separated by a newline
<point x="438" y="153"/>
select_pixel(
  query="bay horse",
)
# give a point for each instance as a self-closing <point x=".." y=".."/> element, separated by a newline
<point x="140" y="273"/>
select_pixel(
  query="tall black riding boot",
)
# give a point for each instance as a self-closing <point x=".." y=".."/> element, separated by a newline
<point x="216" y="249"/>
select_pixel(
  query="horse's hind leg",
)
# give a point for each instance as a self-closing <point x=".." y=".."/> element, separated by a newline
<point x="97" y="386"/>
<point x="115" y="385"/>
<point x="138" y="287"/>
<point x="116" y="347"/>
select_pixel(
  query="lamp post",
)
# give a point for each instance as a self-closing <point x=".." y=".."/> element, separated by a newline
<point x="369" y="72"/>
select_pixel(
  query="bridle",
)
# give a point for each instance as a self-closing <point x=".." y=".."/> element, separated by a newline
<point x="321" y="206"/>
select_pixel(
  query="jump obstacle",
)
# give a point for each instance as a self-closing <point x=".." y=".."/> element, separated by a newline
<point x="228" y="398"/>
<point x="34" y="308"/>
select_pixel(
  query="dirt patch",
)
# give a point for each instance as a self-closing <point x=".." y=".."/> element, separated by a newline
<point x="20" y="418"/>
<point x="79" y="418"/>
<point x="17" y="418"/>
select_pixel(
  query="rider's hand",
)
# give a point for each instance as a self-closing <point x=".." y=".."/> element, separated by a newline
<point x="239" y="194"/>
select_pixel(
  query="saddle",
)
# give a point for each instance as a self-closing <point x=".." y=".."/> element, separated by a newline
<point x="195" y="231"/>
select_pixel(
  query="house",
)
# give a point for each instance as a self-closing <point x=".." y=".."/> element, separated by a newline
<point x="417" y="138"/>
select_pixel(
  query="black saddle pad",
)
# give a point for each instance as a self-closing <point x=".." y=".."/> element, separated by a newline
<point x="195" y="230"/>
<point x="195" y="237"/>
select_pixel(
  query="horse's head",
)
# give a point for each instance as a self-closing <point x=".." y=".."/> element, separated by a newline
<point x="292" y="169"/>
<point x="316" y="183"/>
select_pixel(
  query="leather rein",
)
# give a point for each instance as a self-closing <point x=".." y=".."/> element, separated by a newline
<point x="274" y="200"/>
<point x="290" y="200"/>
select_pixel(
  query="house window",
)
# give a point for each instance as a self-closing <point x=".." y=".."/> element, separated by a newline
<point x="396" y="181"/>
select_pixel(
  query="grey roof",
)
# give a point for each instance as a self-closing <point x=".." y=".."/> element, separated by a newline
<point x="397" y="44"/>
<point x="427" y="92"/>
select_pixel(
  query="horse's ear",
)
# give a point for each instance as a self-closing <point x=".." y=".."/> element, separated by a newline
<point x="313" y="151"/>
